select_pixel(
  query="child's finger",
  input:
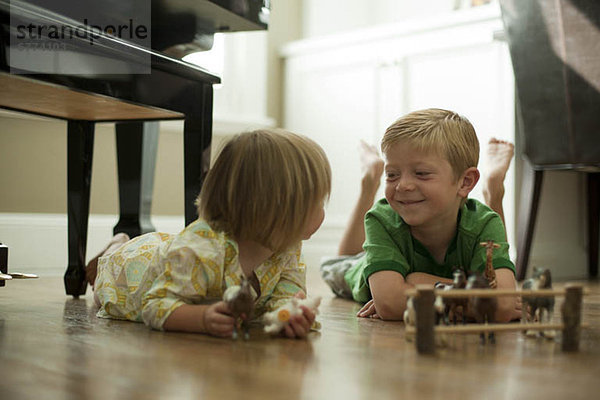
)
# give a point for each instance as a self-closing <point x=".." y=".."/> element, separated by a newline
<point x="222" y="308"/>
<point x="299" y="326"/>
<point x="308" y="314"/>
<point x="300" y="295"/>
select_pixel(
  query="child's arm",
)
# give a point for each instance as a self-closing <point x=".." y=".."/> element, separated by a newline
<point x="214" y="319"/>
<point x="509" y="308"/>
<point x="388" y="289"/>
<point x="292" y="283"/>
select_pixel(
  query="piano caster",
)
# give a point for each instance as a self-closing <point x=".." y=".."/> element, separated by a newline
<point x="75" y="283"/>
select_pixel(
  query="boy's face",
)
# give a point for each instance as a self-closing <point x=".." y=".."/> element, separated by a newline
<point x="421" y="187"/>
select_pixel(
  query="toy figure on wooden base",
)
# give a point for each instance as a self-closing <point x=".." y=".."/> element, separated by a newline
<point x="240" y="301"/>
<point x="277" y="319"/>
<point x="538" y="308"/>
<point x="483" y="308"/>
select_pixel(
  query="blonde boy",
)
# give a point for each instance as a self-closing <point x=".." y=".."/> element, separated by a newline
<point x="426" y="225"/>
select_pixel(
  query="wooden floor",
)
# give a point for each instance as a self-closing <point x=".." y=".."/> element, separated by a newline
<point x="54" y="347"/>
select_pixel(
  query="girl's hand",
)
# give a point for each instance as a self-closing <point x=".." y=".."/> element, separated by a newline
<point x="299" y="325"/>
<point x="218" y="321"/>
<point x="368" y="310"/>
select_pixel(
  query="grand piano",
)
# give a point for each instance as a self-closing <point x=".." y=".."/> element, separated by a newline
<point x="89" y="61"/>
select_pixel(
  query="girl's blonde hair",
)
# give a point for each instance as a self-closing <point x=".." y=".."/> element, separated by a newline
<point x="449" y="134"/>
<point x="263" y="186"/>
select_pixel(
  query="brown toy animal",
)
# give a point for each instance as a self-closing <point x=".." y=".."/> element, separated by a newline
<point x="483" y="308"/>
<point x="240" y="301"/>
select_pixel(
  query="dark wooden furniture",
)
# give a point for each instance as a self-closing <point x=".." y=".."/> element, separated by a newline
<point x="555" y="51"/>
<point x="166" y="88"/>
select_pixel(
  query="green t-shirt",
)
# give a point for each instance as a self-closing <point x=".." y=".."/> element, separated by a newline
<point x="389" y="246"/>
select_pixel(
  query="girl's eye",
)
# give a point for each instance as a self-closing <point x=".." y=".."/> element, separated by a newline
<point x="391" y="176"/>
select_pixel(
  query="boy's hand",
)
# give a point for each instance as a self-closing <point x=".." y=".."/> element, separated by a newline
<point x="368" y="310"/>
<point x="218" y="321"/>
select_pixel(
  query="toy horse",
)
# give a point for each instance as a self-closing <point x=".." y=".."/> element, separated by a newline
<point x="483" y="308"/>
<point x="540" y="308"/>
<point x="453" y="304"/>
<point x="240" y="301"/>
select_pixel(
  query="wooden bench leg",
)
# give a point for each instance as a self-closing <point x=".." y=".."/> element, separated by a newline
<point x="80" y="146"/>
<point x="137" y="143"/>
<point x="593" y="200"/>
<point x="197" y="136"/>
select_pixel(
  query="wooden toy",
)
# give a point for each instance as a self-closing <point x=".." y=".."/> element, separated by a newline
<point x="483" y="308"/>
<point x="425" y="331"/>
<point x="240" y="301"/>
<point x="490" y="273"/>
<point x="277" y="319"/>
<point x="538" y="308"/>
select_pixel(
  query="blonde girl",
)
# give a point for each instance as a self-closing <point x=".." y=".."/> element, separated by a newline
<point x="263" y="196"/>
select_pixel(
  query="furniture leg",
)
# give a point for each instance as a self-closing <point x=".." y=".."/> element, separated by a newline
<point x="528" y="208"/>
<point x="593" y="200"/>
<point x="80" y="144"/>
<point x="137" y="144"/>
<point x="3" y="262"/>
<point x="197" y="136"/>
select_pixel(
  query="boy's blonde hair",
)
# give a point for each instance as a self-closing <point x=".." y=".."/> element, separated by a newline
<point x="263" y="186"/>
<point x="449" y="134"/>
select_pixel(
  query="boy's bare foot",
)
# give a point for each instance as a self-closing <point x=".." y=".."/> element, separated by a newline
<point x="92" y="268"/>
<point x="372" y="167"/>
<point x="500" y="154"/>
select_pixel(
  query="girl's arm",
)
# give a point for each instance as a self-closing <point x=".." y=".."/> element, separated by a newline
<point x="213" y="319"/>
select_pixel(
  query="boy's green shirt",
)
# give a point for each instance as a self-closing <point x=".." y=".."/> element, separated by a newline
<point x="390" y="246"/>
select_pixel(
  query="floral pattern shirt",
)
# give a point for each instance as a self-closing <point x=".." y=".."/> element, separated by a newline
<point x="153" y="274"/>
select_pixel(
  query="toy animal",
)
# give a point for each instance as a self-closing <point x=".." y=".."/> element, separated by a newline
<point x="539" y="308"/>
<point x="490" y="273"/>
<point x="453" y="306"/>
<point x="483" y="308"/>
<point x="240" y="301"/>
<point x="277" y="319"/>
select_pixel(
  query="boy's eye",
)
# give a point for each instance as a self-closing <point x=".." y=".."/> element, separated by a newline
<point x="390" y="175"/>
<point x="422" y="173"/>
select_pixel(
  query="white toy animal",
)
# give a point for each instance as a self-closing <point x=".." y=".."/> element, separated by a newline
<point x="277" y="319"/>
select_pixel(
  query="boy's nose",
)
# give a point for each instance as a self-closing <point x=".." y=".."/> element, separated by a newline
<point x="405" y="185"/>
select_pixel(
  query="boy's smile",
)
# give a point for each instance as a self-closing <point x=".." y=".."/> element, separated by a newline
<point x="421" y="187"/>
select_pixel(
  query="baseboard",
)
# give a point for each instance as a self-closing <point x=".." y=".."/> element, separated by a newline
<point x="38" y="242"/>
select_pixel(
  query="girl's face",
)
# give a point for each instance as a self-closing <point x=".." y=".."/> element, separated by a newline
<point x="313" y="222"/>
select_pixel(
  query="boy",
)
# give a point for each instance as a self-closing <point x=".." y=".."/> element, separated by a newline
<point x="425" y="226"/>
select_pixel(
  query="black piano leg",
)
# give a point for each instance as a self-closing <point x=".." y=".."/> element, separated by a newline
<point x="197" y="136"/>
<point x="530" y="198"/>
<point x="137" y="143"/>
<point x="80" y="146"/>
<point x="593" y="199"/>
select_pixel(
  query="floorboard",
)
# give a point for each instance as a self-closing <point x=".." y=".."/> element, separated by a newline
<point x="54" y="347"/>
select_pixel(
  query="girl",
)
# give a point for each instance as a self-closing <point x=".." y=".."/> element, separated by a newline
<point x="263" y="196"/>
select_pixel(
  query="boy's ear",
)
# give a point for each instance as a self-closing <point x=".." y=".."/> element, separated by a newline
<point x="468" y="181"/>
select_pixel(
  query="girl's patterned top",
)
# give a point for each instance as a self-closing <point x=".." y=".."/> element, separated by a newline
<point x="153" y="274"/>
